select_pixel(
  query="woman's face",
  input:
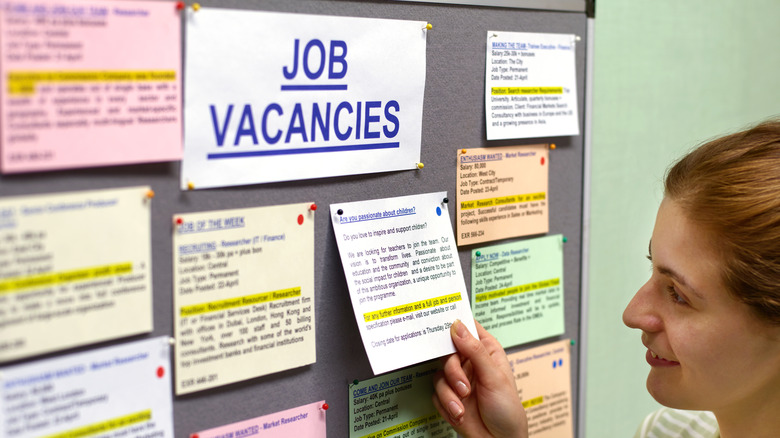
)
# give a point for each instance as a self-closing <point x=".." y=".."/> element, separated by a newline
<point x="706" y="350"/>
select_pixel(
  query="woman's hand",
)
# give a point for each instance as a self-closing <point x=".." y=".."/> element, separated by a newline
<point x="476" y="391"/>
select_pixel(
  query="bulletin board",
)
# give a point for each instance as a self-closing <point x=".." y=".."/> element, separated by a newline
<point x="453" y="118"/>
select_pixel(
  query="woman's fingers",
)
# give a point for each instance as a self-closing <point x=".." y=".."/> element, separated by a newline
<point x="472" y="349"/>
<point x="445" y="399"/>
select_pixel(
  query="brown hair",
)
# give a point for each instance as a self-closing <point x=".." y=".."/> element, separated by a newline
<point x="731" y="187"/>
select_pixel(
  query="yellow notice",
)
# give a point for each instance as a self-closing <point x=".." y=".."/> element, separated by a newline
<point x="543" y="378"/>
<point x="75" y="269"/>
<point x="105" y="426"/>
<point x="411" y="307"/>
<point x="502" y="193"/>
<point x="243" y="294"/>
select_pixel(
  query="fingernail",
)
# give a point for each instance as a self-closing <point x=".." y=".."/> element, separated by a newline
<point x="462" y="389"/>
<point x="455" y="409"/>
<point x="460" y="329"/>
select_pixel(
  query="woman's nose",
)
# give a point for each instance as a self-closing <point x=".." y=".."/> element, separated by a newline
<point x="642" y="311"/>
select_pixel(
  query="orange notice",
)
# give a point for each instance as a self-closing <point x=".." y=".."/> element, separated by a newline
<point x="502" y="193"/>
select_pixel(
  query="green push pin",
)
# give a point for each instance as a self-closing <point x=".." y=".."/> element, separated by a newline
<point x="355" y="382"/>
<point x="565" y="239"/>
<point x="479" y="253"/>
<point x="573" y="342"/>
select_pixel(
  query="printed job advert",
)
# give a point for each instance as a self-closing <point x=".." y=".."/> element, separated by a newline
<point x="502" y="192"/>
<point x="74" y="269"/>
<point x="404" y="277"/>
<point x="243" y="294"/>
<point x="543" y="379"/>
<point x="313" y="96"/>
<point x="119" y="391"/>
<point x="397" y="405"/>
<point x="530" y="85"/>
<point x="304" y="421"/>
<point x="89" y="83"/>
<point x="518" y="289"/>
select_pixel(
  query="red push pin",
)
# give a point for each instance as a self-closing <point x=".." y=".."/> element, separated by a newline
<point x="179" y="6"/>
<point x="325" y="407"/>
<point x="179" y="221"/>
<point x="313" y="207"/>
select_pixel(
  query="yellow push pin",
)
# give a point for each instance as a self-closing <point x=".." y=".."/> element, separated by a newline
<point x="190" y="185"/>
<point x="150" y="194"/>
<point x="420" y="165"/>
<point x="428" y="26"/>
<point x="195" y="7"/>
<point x="552" y="146"/>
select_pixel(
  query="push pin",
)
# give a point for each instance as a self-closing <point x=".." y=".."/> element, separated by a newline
<point x="179" y="6"/>
<point x="313" y="207"/>
<point x="190" y="184"/>
<point x="420" y="165"/>
<point x="565" y="239"/>
<point x="479" y="253"/>
<point x="355" y="382"/>
<point x="179" y="221"/>
<point x="552" y="146"/>
<point x="339" y="212"/>
<point x="463" y="151"/>
<point x="171" y="341"/>
<point x="446" y="200"/>
<point x="573" y="342"/>
<point x="324" y="407"/>
<point x="196" y="7"/>
<point x="149" y="194"/>
<point x="428" y="26"/>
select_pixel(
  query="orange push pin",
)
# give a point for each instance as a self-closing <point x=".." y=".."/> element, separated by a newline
<point x="150" y="194"/>
<point x="463" y="151"/>
<point x="552" y="146"/>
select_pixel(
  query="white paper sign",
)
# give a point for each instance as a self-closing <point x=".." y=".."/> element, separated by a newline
<point x="243" y="294"/>
<point x="74" y="269"/>
<point x="530" y="85"/>
<point x="404" y="277"/>
<point x="279" y="97"/>
<point x="120" y="391"/>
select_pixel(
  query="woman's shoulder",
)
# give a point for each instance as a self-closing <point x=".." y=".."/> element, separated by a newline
<point x="673" y="423"/>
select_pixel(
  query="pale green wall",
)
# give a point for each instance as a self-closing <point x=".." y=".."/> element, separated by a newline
<point x="668" y="75"/>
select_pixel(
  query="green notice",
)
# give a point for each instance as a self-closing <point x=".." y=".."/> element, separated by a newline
<point x="517" y="289"/>
<point x="397" y="405"/>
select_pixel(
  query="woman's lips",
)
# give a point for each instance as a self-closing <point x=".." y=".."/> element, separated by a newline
<point x="657" y="361"/>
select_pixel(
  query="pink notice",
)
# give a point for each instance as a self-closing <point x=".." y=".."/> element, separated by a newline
<point x="89" y="83"/>
<point x="304" y="421"/>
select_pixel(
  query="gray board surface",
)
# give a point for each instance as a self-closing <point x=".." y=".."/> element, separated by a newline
<point x="453" y="118"/>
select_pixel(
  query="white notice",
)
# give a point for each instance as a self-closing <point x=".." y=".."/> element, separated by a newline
<point x="121" y="391"/>
<point x="243" y="294"/>
<point x="280" y="97"/>
<point x="404" y="277"/>
<point x="530" y="85"/>
<point x="74" y="269"/>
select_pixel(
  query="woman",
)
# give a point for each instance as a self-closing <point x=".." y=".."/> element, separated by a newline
<point x="709" y="314"/>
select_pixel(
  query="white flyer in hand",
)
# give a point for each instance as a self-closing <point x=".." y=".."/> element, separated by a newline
<point x="404" y="277"/>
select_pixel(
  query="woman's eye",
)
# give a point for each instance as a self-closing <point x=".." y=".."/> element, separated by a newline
<point x="676" y="298"/>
